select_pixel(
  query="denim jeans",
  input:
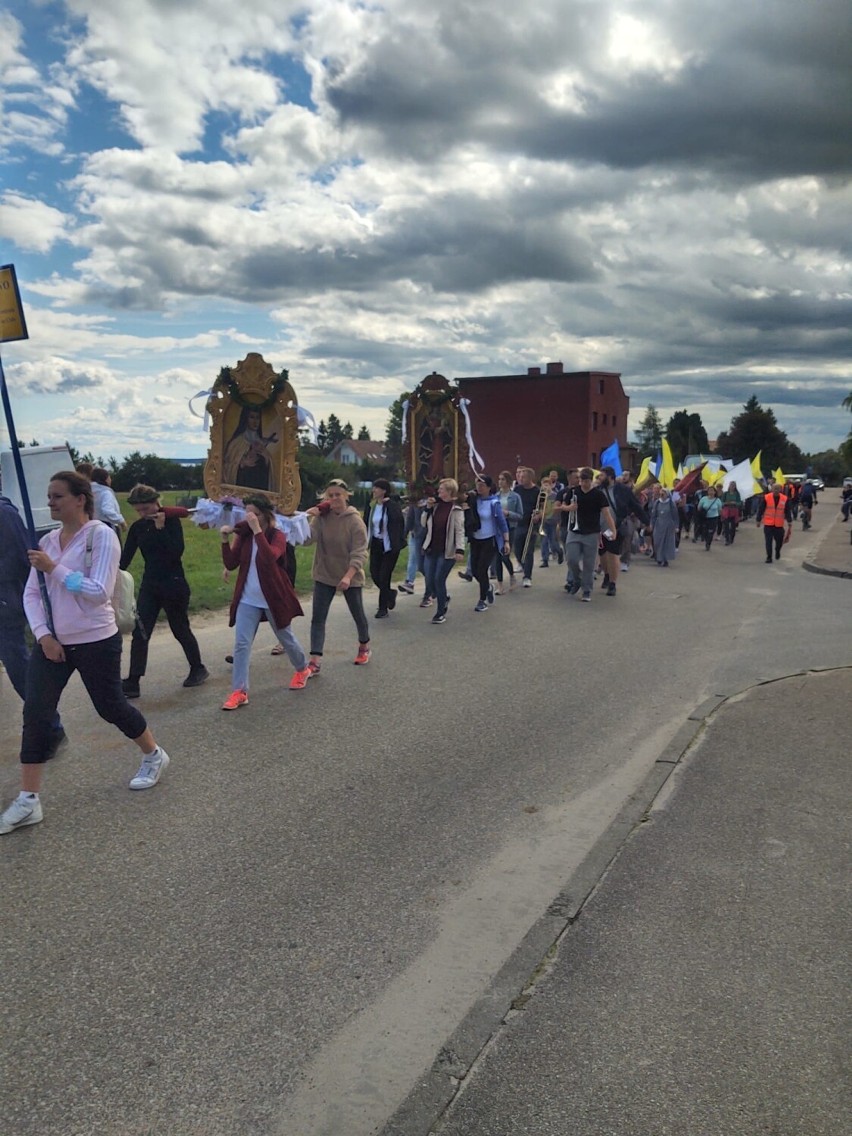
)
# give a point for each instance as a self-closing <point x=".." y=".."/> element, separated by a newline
<point x="437" y="568"/>
<point x="99" y="666"/>
<point x="549" y="542"/>
<point x="323" y="595"/>
<point x="245" y="629"/>
<point x="415" y="556"/>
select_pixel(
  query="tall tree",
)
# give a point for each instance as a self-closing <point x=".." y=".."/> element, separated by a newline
<point x="322" y="437"/>
<point x="335" y="432"/>
<point x="364" y="434"/>
<point x="348" y="431"/>
<point x="752" y="430"/>
<point x="685" y="434"/>
<point x="650" y="433"/>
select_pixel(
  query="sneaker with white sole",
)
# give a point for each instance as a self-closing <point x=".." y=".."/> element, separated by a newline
<point x="527" y="582"/>
<point x="23" y="811"/>
<point x="151" y="770"/>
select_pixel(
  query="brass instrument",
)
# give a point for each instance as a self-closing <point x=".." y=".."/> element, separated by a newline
<point x="540" y="503"/>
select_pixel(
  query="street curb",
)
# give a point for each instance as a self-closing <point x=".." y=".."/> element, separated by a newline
<point x="428" y="1100"/>
<point x="810" y="562"/>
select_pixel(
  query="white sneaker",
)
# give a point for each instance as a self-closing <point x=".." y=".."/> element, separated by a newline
<point x="624" y="567"/>
<point x="21" y="812"/>
<point x="527" y="582"/>
<point x="151" y="770"/>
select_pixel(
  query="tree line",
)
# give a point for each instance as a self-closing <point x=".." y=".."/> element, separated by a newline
<point x="755" y="429"/>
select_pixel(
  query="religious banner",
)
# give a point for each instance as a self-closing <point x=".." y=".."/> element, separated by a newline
<point x="13" y="326"/>
<point x="436" y="435"/>
<point x="253" y="435"/>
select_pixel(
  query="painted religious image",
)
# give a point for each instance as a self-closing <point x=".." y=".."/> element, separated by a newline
<point x="435" y="444"/>
<point x="436" y="440"/>
<point x="251" y="451"/>
<point x="253" y="435"/>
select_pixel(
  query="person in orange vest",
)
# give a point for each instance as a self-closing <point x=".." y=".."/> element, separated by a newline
<point x="776" y="513"/>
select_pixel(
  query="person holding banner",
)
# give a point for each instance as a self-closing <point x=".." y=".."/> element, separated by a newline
<point x="80" y="634"/>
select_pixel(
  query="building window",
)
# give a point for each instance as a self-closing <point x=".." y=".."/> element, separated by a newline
<point x="600" y="386"/>
<point x="594" y="420"/>
<point x="604" y="419"/>
<point x="594" y="461"/>
<point x="613" y="419"/>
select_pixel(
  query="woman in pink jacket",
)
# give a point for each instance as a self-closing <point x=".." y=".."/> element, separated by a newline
<point x="79" y="561"/>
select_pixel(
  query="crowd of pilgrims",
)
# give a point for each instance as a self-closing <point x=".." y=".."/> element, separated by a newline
<point x="496" y="534"/>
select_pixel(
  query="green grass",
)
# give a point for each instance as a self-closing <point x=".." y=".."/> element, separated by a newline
<point x="202" y="562"/>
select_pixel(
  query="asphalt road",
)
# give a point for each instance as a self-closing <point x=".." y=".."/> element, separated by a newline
<point x="280" y="937"/>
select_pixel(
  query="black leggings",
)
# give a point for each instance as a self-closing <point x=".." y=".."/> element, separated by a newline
<point x="99" y="665"/>
<point x="382" y="565"/>
<point x="481" y="555"/>
<point x="323" y="595"/>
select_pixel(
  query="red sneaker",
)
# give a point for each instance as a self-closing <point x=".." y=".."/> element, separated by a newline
<point x="235" y="700"/>
<point x="363" y="657"/>
<point x="300" y="679"/>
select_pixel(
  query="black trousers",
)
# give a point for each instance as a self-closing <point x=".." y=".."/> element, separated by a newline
<point x="99" y="665"/>
<point x="481" y="556"/>
<point x="773" y="535"/>
<point x="382" y="565"/>
<point x="170" y="595"/>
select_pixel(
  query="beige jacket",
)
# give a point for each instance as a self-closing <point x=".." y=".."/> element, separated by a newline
<point x="341" y="544"/>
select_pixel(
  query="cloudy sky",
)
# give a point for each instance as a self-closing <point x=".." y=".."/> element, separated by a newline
<point x="365" y="192"/>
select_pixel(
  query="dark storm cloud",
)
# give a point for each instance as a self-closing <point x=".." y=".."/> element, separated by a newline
<point x="766" y="91"/>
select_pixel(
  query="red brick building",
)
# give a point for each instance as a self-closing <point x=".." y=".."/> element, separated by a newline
<point x="536" y="419"/>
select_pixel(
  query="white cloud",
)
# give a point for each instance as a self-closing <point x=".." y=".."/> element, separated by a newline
<point x="31" y="224"/>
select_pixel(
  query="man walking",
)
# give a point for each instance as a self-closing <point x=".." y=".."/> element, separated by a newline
<point x="528" y="491"/>
<point x="587" y="507"/>
<point x="775" y="512"/>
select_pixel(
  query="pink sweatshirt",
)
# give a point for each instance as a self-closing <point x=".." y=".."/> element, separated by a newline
<point x="85" y="616"/>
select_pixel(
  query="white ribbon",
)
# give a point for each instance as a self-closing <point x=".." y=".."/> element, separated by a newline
<point x="214" y="514"/>
<point x="463" y="405"/>
<point x="405" y="407"/>
<point x="206" y="415"/>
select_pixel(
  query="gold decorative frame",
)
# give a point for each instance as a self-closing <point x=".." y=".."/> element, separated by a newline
<point x="434" y="419"/>
<point x="245" y="457"/>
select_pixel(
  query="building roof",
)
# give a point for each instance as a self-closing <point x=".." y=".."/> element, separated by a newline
<point x="365" y="450"/>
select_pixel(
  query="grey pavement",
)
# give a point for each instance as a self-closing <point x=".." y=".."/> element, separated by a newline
<point x="330" y="888"/>
<point x="832" y="554"/>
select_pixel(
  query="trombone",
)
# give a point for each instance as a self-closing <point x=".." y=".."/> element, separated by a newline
<point x="540" y="504"/>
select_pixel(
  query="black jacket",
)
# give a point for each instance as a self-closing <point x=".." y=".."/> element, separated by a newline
<point x="394" y="523"/>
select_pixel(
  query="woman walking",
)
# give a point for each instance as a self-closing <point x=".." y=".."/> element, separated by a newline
<point x="664" y="526"/>
<point x="340" y="538"/>
<point x="159" y="537"/>
<point x="732" y="505"/>
<point x="263" y="588"/>
<point x="79" y="561"/>
<point x="443" y="544"/>
<point x="710" y="507"/>
<point x="491" y="532"/>
<point x="386" y="529"/>
<point x="513" y="511"/>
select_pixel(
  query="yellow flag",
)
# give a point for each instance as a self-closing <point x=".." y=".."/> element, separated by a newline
<point x="644" y="474"/>
<point x="666" y="476"/>
<point x="756" y="471"/>
<point x="779" y="475"/>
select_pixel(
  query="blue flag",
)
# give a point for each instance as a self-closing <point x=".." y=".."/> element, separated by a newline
<point x="611" y="456"/>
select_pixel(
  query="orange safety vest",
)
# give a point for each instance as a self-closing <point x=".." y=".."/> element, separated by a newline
<point x="774" y="515"/>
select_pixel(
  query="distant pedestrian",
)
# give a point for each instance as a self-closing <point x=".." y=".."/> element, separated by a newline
<point x="710" y="508"/>
<point x="488" y="535"/>
<point x="775" y="513"/>
<point x="107" y="508"/>
<point x="443" y="545"/>
<point x="664" y="525"/>
<point x="586" y="510"/>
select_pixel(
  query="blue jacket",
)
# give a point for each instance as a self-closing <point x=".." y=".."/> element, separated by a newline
<point x="497" y="513"/>
<point x="14" y="562"/>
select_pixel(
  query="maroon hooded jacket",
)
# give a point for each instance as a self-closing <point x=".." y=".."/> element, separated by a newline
<point x="271" y="570"/>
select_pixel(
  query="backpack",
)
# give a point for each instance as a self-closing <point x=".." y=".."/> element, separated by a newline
<point x="123" y="598"/>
